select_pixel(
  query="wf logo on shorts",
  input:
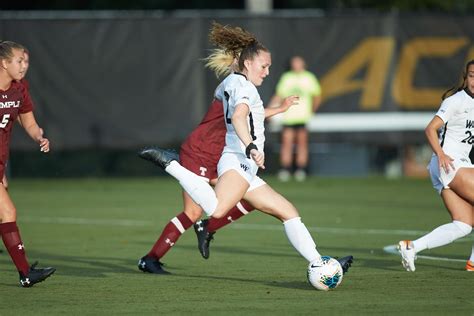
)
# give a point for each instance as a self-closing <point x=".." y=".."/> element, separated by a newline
<point x="245" y="167"/>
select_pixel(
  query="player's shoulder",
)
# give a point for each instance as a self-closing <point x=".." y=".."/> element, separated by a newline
<point x="454" y="100"/>
<point x="237" y="80"/>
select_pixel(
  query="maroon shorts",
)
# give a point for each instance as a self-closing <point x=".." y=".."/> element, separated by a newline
<point x="199" y="165"/>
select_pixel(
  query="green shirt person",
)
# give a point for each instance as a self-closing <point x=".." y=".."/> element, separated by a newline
<point x="305" y="85"/>
<point x="302" y="83"/>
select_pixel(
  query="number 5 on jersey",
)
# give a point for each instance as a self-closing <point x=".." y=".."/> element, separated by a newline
<point x="5" y="120"/>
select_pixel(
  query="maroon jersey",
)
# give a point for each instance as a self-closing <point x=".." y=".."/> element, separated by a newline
<point x="202" y="150"/>
<point x="13" y="101"/>
<point x="26" y="84"/>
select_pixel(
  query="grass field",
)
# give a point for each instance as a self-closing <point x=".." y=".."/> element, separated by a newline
<point x="94" y="231"/>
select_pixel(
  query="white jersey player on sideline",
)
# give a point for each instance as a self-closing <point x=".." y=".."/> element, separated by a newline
<point x="451" y="170"/>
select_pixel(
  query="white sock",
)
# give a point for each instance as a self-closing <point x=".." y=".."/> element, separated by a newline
<point x="301" y="239"/>
<point x="199" y="190"/>
<point x="442" y="235"/>
<point x="472" y="254"/>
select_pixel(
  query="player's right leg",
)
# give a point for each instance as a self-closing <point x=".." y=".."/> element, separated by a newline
<point x="461" y="213"/>
<point x="301" y="153"/>
<point x="29" y="275"/>
<point x="463" y="184"/>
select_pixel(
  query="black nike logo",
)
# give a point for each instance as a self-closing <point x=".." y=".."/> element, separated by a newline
<point x="315" y="266"/>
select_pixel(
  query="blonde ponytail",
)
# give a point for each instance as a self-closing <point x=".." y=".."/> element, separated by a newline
<point x="220" y="62"/>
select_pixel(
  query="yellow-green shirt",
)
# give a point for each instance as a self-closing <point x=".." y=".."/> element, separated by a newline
<point x="303" y="84"/>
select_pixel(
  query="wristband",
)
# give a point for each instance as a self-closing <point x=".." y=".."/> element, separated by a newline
<point x="249" y="148"/>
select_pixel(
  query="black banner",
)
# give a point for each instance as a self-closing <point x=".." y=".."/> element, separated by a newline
<point x="127" y="81"/>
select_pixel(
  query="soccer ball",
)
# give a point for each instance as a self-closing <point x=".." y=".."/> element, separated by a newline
<point x="325" y="274"/>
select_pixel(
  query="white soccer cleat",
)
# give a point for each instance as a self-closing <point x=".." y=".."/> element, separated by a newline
<point x="407" y="251"/>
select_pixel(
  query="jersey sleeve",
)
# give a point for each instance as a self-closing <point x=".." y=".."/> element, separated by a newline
<point x="447" y="109"/>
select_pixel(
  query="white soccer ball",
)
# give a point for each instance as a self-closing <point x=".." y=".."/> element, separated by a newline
<point x="325" y="274"/>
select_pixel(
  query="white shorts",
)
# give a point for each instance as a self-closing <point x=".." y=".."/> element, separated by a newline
<point x="440" y="178"/>
<point x="247" y="168"/>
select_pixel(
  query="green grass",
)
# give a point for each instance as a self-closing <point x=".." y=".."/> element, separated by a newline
<point x="250" y="271"/>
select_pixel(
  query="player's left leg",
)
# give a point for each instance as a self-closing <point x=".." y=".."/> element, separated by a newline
<point x="11" y="234"/>
<point x="169" y="236"/>
<point x="301" y="153"/>
<point x="29" y="275"/>
<point x="267" y="200"/>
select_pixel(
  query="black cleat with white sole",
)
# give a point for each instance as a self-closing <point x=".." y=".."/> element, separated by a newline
<point x="151" y="265"/>
<point x="35" y="275"/>
<point x="346" y="263"/>
<point x="158" y="156"/>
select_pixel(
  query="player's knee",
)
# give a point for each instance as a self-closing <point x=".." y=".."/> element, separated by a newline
<point x="8" y="214"/>
<point x="464" y="228"/>
<point x="218" y="213"/>
<point x="288" y="214"/>
<point x="193" y="214"/>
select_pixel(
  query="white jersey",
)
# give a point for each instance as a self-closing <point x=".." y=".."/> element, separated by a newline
<point x="237" y="90"/>
<point x="457" y="135"/>
<point x="219" y="92"/>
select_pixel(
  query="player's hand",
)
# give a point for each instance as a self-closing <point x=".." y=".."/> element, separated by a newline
<point x="44" y="144"/>
<point x="289" y="102"/>
<point x="258" y="157"/>
<point x="445" y="162"/>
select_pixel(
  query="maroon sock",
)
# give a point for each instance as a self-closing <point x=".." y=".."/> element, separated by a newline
<point x="12" y="240"/>
<point x="242" y="208"/>
<point x="171" y="233"/>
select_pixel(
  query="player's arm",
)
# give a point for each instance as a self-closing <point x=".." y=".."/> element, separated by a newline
<point x="28" y="122"/>
<point x="431" y="132"/>
<point x="277" y="105"/>
<point x="239" y="121"/>
<point x="18" y="119"/>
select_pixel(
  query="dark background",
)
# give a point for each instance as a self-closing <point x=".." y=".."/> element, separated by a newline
<point x="109" y="77"/>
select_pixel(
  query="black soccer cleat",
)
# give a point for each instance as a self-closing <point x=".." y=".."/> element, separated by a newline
<point x="35" y="275"/>
<point x="151" y="265"/>
<point x="158" y="156"/>
<point x="204" y="237"/>
<point x="346" y="263"/>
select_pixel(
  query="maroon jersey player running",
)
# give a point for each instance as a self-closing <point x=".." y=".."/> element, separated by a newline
<point x="15" y="102"/>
